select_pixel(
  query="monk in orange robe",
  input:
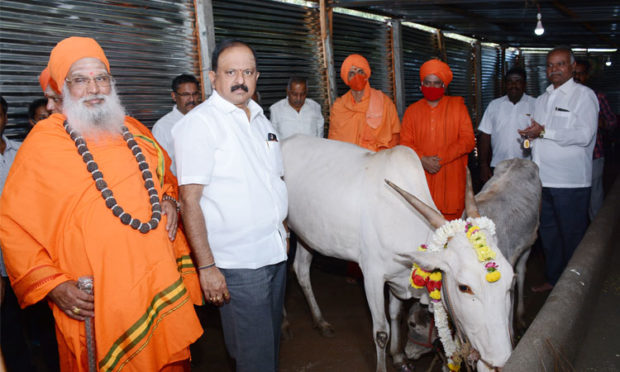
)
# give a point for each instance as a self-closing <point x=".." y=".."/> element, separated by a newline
<point x="86" y="200"/>
<point x="439" y="130"/>
<point x="363" y="116"/>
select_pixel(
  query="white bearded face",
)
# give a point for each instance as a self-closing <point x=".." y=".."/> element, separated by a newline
<point x="91" y="109"/>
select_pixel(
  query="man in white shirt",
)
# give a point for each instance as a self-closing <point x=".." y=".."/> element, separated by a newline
<point x="186" y="96"/>
<point x="563" y="131"/>
<point x="296" y="113"/>
<point x="499" y="139"/>
<point x="233" y="204"/>
<point x="14" y="343"/>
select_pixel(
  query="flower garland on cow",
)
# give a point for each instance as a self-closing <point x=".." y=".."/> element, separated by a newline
<point x="432" y="280"/>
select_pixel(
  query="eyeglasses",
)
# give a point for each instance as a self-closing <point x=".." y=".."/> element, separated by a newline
<point x="186" y="95"/>
<point x="102" y="81"/>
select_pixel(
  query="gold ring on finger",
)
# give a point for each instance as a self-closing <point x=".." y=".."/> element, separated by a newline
<point x="76" y="310"/>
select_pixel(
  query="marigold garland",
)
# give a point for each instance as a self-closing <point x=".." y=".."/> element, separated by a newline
<point x="421" y="278"/>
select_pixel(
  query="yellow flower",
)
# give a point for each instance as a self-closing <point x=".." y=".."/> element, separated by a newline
<point x="435" y="276"/>
<point x="494" y="276"/>
<point x="454" y="367"/>
<point x="436" y="294"/>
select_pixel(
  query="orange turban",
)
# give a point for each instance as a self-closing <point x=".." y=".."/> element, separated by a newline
<point x="71" y="50"/>
<point x="437" y="68"/>
<point x="354" y="60"/>
<point x="45" y="79"/>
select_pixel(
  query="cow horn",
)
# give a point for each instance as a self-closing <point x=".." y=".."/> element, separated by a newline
<point x="432" y="216"/>
<point x="470" y="202"/>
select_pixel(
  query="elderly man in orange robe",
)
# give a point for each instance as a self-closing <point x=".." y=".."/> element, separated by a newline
<point x="81" y="201"/>
<point x="439" y="130"/>
<point x="363" y="116"/>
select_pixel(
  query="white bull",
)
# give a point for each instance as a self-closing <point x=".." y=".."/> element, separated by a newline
<point x="511" y="198"/>
<point x="340" y="206"/>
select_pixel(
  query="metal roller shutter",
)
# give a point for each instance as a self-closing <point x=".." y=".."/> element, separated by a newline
<point x="147" y="43"/>
<point x="535" y="68"/>
<point x="418" y="47"/>
<point x="460" y="59"/>
<point x="605" y="78"/>
<point x="491" y="75"/>
<point x="369" y="38"/>
<point x="286" y="39"/>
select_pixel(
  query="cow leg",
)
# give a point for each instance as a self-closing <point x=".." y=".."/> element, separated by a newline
<point x="398" y="357"/>
<point x="380" y="327"/>
<point x="521" y="267"/>
<point x="301" y="265"/>
<point x="285" y="329"/>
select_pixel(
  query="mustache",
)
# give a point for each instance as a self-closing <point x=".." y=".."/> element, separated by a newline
<point x="91" y="97"/>
<point x="239" y="86"/>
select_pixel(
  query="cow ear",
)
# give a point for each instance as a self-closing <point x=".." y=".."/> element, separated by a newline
<point x="430" y="261"/>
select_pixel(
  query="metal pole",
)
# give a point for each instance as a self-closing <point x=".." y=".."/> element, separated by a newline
<point x="397" y="65"/>
<point x="326" y="38"/>
<point x="206" y="41"/>
<point x="85" y="283"/>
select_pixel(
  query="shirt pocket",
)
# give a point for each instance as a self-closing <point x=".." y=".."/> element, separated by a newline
<point x="274" y="157"/>
<point x="561" y="119"/>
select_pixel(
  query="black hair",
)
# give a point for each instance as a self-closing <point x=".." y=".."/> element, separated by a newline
<point x="225" y="44"/>
<point x="585" y="63"/>
<point x="297" y="80"/>
<point x="5" y="106"/>
<point x="182" y="79"/>
<point x="34" y="105"/>
<point x="516" y="71"/>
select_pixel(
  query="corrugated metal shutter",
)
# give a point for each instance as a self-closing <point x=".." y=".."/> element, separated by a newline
<point x="147" y="43"/>
<point x="286" y="39"/>
<point x="460" y="55"/>
<point x="369" y="38"/>
<point x="418" y="47"/>
<point x="535" y="68"/>
<point x="491" y="75"/>
<point x="605" y="78"/>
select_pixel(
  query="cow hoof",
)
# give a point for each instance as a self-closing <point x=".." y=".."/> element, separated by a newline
<point x="325" y="329"/>
<point x="405" y="367"/>
<point x="327" y="332"/>
<point x="286" y="334"/>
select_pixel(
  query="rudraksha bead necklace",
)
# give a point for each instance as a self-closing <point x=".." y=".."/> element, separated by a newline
<point x="107" y="194"/>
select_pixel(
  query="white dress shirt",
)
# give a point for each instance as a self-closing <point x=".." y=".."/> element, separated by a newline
<point x="570" y="117"/>
<point x="501" y="120"/>
<point x="244" y="200"/>
<point x="162" y="132"/>
<point x="6" y="160"/>
<point x="287" y="121"/>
